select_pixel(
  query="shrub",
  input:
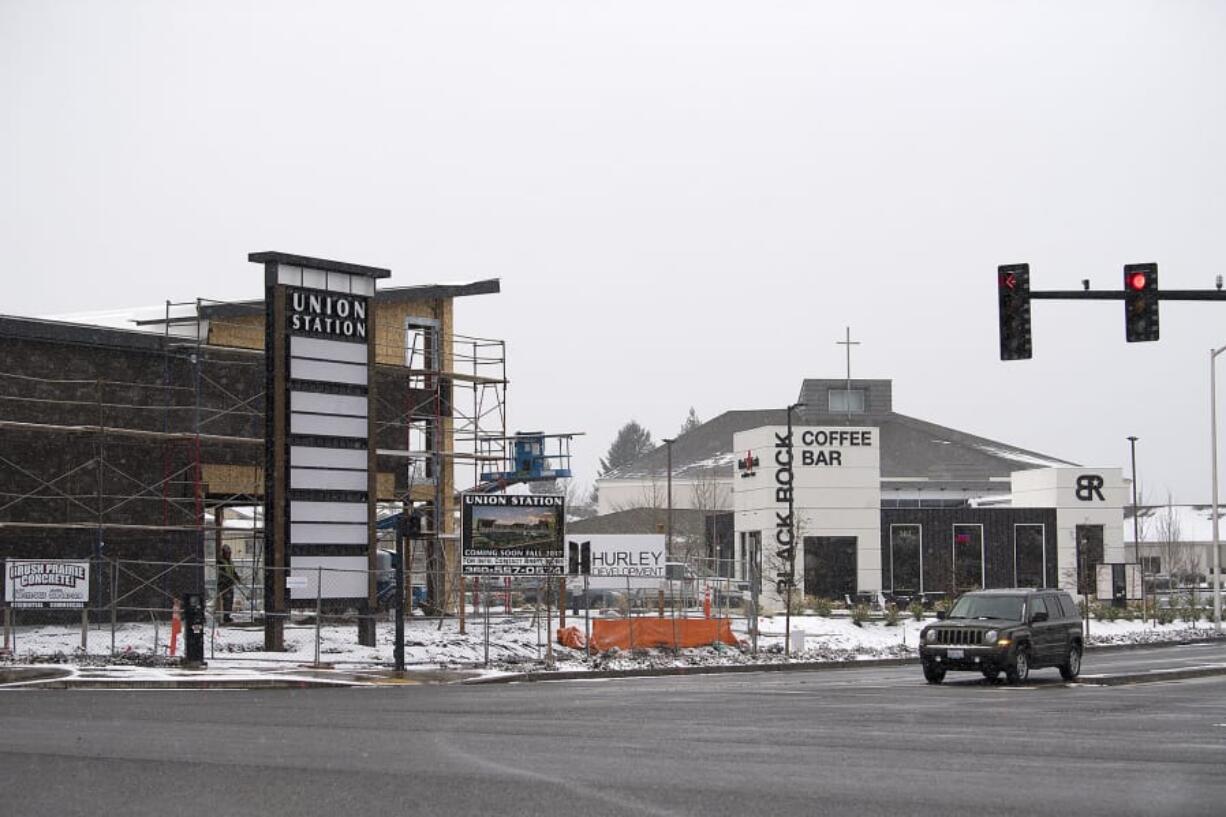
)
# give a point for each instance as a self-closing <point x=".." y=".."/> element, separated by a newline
<point x="822" y="607"/>
<point x="798" y="603"/>
<point x="859" y="614"/>
<point x="1190" y="613"/>
<point x="891" y="615"/>
<point x="1109" y="612"/>
<point x="917" y="610"/>
<point x="1129" y="614"/>
<point x="1165" y="615"/>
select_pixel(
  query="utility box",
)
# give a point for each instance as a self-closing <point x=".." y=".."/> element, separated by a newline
<point x="193" y="628"/>
<point x="798" y="641"/>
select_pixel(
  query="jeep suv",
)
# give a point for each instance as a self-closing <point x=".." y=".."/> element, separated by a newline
<point x="1010" y="631"/>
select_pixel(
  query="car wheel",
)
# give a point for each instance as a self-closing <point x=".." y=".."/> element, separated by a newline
<point x="1071" y="667"/>
<point x="1019" y="670"/>
<point x="990" y="673"/>
<point x="933" y="674"/>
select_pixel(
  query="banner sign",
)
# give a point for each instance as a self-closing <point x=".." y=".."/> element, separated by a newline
<point x="513" y="535"/>
<point x="612" y="559"/>
<point x="46" y="583"/>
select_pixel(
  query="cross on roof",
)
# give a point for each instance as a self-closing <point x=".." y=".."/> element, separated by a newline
<point x="848" y="343"/>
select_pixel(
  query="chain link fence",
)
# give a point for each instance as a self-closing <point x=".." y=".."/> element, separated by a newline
<point x="133" y="613"/>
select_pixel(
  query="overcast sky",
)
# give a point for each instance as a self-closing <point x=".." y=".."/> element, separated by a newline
<point x="686" y="202"/>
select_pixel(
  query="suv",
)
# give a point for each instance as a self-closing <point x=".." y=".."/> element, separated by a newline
<point x="1010" y="631"/>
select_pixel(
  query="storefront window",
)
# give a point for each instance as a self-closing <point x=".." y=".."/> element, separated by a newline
<point x="968" y="557"/>
<point x="1029" y="555"/>
<point x="905" y="558"/>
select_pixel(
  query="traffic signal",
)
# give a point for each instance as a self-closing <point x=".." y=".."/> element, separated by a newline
<point x="1140" y="302"/>
<point x="1013" y="292"/>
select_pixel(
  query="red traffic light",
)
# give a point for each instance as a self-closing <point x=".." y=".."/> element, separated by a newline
<point x="1137" y="281"/>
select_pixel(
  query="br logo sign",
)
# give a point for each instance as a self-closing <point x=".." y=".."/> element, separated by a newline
<point x="1090" y="488"/>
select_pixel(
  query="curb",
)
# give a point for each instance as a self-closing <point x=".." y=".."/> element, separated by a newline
<point x="29" y="675"/>
<point x="1185" y="642"/>
<point x="716" y="669"/>
<point x="1151" y="677"/>
<point x="794" y="666"/>
<point x="192" y="683"/>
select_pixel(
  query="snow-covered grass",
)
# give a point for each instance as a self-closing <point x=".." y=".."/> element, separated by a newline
<point x="517" y="644"/>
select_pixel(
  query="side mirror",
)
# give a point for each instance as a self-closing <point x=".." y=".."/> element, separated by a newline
<point x="940" y="615"/>
<point x="1039" y="616"/>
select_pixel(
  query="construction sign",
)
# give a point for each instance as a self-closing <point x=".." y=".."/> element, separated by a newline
<point x="513" y="535"/>
<point x="610" y="560"/>
<point x="46" y="583"/>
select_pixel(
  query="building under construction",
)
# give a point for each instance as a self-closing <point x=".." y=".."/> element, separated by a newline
<point x="143" y="448"/>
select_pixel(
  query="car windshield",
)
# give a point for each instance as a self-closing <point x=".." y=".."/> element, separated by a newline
<point x="1006" y="607"/>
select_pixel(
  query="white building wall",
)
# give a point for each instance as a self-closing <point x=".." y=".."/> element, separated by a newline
<point x="714" y="494"/>
<point x="1077" y="500"/>
<point x="836" y="478"/>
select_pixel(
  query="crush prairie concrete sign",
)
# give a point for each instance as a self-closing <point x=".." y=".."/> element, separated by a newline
<point x="46" y="583"/>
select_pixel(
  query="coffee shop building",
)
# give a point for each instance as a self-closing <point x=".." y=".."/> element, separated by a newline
<point x="880" y="504"/>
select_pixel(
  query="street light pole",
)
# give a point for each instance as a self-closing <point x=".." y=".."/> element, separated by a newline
<point x="1136" y="526"/>
<point x="1217" y="555"/>
<point x="791" y="578"/>
<point x="668" y="447"/>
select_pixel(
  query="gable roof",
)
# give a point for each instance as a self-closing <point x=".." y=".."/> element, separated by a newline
<point x="910" y="448"/>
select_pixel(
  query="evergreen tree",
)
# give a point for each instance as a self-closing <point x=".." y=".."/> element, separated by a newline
<point x="691" y="422"/>
<point x="632" y="442"/>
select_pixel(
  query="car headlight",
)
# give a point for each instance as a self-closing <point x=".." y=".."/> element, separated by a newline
<point x="990" y="635"/>
<point x="930" y="635"/>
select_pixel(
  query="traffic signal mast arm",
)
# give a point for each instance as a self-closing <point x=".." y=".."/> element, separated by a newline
<point x="1109" y="295"/>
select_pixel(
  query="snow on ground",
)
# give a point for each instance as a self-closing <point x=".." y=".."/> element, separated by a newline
<point x="515" y="644"/>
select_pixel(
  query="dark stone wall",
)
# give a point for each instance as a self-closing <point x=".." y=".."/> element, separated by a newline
<point x="998" y="534"/>
<point x="52" y="476"/>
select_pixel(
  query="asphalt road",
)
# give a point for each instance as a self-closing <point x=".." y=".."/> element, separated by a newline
<point x="862" y="742"/>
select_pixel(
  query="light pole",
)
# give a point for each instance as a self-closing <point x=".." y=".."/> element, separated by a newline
<point x="668" y="544"/>
<point x="1217" y="556"/>
<point x="1136" y="526"/>
<point x="791" y="549"/>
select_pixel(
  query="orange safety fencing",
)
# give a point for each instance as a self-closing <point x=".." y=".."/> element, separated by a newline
<point x="633" y="633"/>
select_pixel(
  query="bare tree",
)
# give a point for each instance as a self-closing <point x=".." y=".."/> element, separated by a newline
<point x="708" y="495"/>
<point x="1167" y="534"/>
<point x="652" y="496"/>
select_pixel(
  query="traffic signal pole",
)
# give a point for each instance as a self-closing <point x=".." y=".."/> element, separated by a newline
<point x="1141" y="296"/>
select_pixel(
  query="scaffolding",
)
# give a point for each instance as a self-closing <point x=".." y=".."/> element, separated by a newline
<point x="169" y="454"/>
